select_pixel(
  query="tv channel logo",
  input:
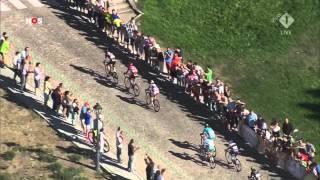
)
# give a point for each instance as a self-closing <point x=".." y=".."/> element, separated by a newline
<point x="34" y="21"/>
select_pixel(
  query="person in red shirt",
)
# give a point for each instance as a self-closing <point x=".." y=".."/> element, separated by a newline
<point x="176" y="62"/>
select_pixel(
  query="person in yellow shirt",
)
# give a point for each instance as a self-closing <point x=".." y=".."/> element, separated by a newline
<point x="108" y="22"/>
<point x="117" y="26"/>
<point x="4" y="50"/>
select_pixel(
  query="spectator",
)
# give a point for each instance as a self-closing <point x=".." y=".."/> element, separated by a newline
<point x="161" y="177"/>
<point x="310" y="150"/>
<point x="4" y="50"/>
<point x="4" y="34"/>
<point x="198" y="69"/>
<point x="208" y="75"/>
<point x="25" y="53"/>
<point x="83" y="113"/>
<point x="47" y="90"/>
<point x="227" y="91"/>
<point x="17" y="66"/>
<point x="119" y="143"/>
<point x="102" y="140"/>
<point x="262" y="126"/>
<point x="87" y="122"/>
<point x="275" y="130"/>
<point x="37" y="78"/>
<point x="24" y="75"/>
<point x="74" y="110"/>
<point x="168" y="56"/>
<point x="176" y="62"/>
<point x="252" y="119"/>
<point x="287" y="127"/>
<point x="132" y="148"/>
<point x="150" y="169"/>
<point x="316" y="170"/>
<point x="57" y="98"/>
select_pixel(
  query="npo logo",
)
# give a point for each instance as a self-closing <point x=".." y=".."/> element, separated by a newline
<point x="34" y="21"/>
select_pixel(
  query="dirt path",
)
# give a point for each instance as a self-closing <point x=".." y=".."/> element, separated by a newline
<point x="72" y="52"/>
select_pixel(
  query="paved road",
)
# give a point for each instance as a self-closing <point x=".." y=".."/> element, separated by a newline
<point x="72" y="52"/>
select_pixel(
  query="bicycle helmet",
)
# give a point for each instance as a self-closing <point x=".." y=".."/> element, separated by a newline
<point x="207" y="125"/>
<point x="151" y="82"/>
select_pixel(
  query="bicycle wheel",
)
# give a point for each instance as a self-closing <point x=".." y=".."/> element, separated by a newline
<point x="136" y="90"/>
<point x="148" y="99"/>
<point x="212" y="162"/>
<point x="228" y="157"/>
<point x="106" y="147"/>
<point x="115" y="78"/>
<point x="127" y="82"/>
<point x="107" y="69"/>
<point x="156" y="105"/>
<point x="237" y="164"/>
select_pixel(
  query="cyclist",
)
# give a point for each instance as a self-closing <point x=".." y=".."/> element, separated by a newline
<point x="154" y="91"/>
<point x="234" y="150"/>
<point x="254" y="175"/>
<point x="209" y="146"/>
<point x="208" y="133"/>
<point x="132" y="72"/>
<point x="110" y="61"/>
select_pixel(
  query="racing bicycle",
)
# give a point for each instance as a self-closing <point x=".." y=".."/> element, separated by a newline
<point x="156" y="103"/>
<point x="110" y="70"/>
<point x="131" y="84"/>
<point x="232" y="159"/>
<point x="92" y="137"/>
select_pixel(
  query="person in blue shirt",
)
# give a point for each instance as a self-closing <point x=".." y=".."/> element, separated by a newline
<point x="209" y="145"/>
<point x="168" y="56"/>
<point x="252" y="119"/>
<point x="209" y="132"/>
<point x="87" y="121"/>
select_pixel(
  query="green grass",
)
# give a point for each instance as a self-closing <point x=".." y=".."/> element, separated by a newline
<point x="5" y="176"/>
<point x="9" y="155"/>
<point x="276" y="75"/>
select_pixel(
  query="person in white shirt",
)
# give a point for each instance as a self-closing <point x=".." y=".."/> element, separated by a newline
<point x="17" y="65"/>
<point x="37" y="78"/>
<point x="119" y="143"/>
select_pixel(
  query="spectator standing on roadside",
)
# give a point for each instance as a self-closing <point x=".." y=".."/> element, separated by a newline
<point x="4" y="50"/>
<point x="87" y="122"/>
<point x="47" y="89"/>
<point x="74" y="111"/>
<point x="83" y="113"/>
<point x="56" y="96"/>
<point x="17" y="66"/>
<point x="37" y="78"/>
<point x="161" y="176"/>
<point x="252" y="119"/>
<point x="275" y="129"/>
<point x="310" y="150"/>
<point x="119" y="143"/>
<point x="25" y="53"/>
<point x="208" y="75"/>
<point x="24" y="75"/>
<point x="150" y="169"/>
<point x="168" y="56"/>
<point x="287" y="127"/>
<point x="132" y="148"/>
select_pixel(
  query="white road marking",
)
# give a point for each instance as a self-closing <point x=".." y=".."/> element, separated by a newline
<point x="4" y="7"/>
<point x="18" y="4"/>
<point x="35" y="3"/>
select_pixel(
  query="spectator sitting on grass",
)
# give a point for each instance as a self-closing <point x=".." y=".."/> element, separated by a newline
<point x="251" y="119"/>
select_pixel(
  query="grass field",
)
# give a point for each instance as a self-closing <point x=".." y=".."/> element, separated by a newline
<point x="277" y="75"/>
